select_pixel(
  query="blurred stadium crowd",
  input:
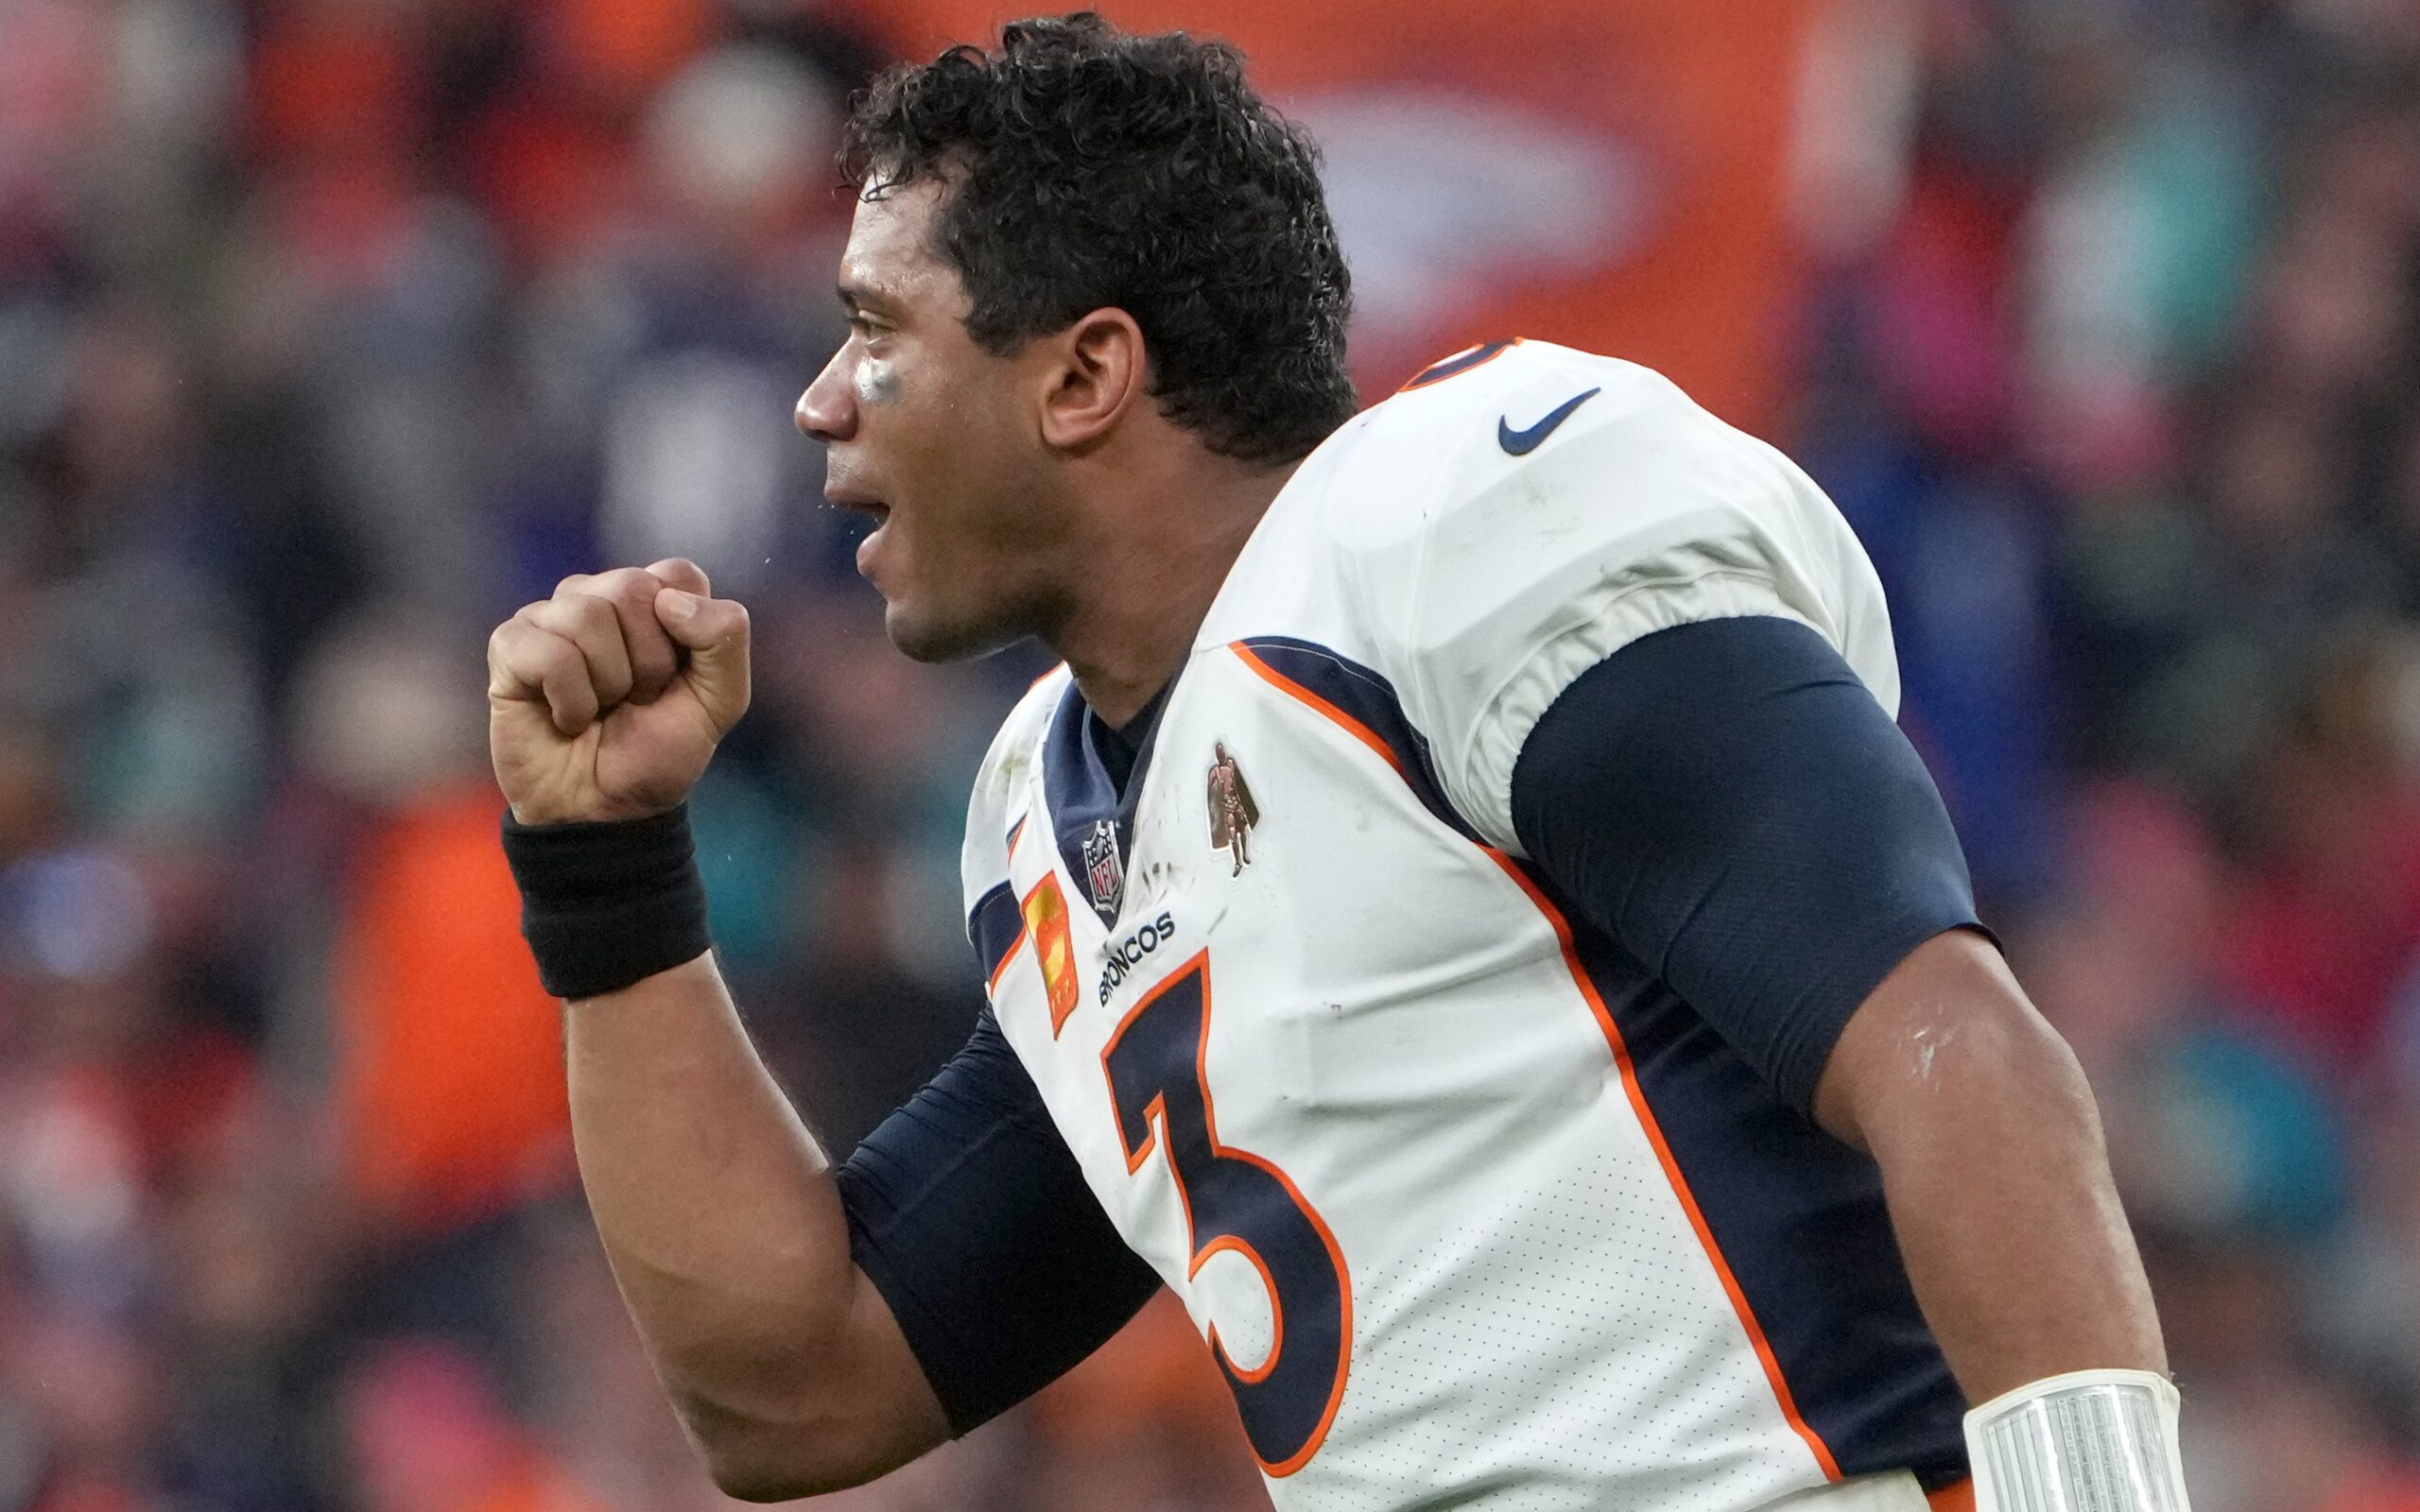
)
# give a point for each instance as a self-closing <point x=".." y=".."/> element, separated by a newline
<point x="330" y="330"/>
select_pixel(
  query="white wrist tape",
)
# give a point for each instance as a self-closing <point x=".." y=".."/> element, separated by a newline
<point x="2088" y="1441"/>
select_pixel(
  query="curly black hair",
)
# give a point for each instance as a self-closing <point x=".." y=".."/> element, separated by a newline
<point x="1090" y="168"/>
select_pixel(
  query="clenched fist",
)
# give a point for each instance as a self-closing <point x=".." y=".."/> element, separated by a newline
<point x="607" y="700"/>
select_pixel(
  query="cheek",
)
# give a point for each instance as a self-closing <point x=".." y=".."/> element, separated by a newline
<point x="877" y="382"/>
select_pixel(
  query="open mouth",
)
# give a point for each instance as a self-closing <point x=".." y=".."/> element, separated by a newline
<point x="872" y="512"/>
<point x="875" y="511"/>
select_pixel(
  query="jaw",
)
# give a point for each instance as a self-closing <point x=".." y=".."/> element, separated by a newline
<point x="922" y="638"/>
<point x="977" y="558"/>
<point x="963" y="604"/>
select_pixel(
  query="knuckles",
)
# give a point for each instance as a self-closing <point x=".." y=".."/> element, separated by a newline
<point x="680" y="572"/>
<point x="508" y="638"/>
<point x="559" y="658"/>
<point x="592" y="613"/>
<point x="632" y="587"/>
<point x="537" y="645"/>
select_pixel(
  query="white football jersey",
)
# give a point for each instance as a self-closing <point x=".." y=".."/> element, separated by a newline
<point x="1473" y="1211"/>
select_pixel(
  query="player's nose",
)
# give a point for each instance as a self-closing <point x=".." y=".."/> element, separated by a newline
<point x="828" y="409"/>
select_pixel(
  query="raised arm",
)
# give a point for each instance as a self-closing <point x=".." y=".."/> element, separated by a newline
<point x="717" y="1211"/>
<point x="726" y="1234"/>
<point x="813" y="1326"/>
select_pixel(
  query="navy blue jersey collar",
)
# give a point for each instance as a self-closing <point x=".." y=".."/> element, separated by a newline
<point x="1092" y="815"/>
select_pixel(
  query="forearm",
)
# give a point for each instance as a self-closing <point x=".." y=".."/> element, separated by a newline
<point x="724" y="1227"/>
<point x="2020" y="1253"/>
<point x="1997" y="1177"/>
<point x="717" y="1208"/>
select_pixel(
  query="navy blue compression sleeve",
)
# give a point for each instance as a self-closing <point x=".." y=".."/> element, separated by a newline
<point x="971" y="1217"/>
<point x="1727" y="801"/>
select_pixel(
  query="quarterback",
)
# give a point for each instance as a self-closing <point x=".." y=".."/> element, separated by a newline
<point x="1463" y="916"/>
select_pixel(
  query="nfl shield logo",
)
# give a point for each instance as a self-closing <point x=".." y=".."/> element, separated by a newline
<point x="1105" y="868"/>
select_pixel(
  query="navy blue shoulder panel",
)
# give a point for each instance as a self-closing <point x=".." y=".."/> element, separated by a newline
<point x="1439" y="373"/>
<point x="1747" y="845"/>
<point x="1368" y="700"/>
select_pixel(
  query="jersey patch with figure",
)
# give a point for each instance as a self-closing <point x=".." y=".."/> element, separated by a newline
<point x="1232" y="812"/>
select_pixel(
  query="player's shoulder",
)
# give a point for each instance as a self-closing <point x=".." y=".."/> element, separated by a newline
<point x="1006" y="767"/>
<point x="1482" y="381"/>
<point x="1018" y="742"/>
<point x="1525" y="417"/>
<point x="1487" y="469"/>
<point x="1507" y="489"/>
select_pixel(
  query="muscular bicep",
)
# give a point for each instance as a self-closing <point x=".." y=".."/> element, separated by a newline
<point x="972" y="1221"/>
<point x="1729" y="802"/>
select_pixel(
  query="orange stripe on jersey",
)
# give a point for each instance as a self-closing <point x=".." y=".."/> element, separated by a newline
<point x="1226" y="1243"/>
<point x="1639" y="1108"/>
<point x="1460" y="362"/>
<point x="1671" y="1168"/>
<point x="1957" y="1497"/>
<point x="1327" y="711"/>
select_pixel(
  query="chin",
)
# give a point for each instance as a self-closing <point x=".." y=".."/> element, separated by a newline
<point x="924" y="637"/>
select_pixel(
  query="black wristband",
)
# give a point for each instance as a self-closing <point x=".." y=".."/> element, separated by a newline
<point x="607" y="903"/>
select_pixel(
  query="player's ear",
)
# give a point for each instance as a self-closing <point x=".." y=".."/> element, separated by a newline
<point x="1100" y="373"/>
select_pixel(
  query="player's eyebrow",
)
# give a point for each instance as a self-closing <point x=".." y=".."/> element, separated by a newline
<point x="855" y="297"/>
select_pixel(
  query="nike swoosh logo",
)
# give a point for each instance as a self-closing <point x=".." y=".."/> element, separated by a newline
<point x="1521" y="443"/>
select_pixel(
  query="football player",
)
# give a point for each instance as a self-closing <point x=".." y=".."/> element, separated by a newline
<point x="1463" y="916"/>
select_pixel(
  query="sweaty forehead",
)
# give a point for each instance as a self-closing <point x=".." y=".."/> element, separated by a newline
<point x="891" y="257"/>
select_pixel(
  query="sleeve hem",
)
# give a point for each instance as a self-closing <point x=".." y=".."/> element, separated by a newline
<point x="1481" y="771"/>
<point x="1844" y="989"/>
<point x="929" y="1339"/>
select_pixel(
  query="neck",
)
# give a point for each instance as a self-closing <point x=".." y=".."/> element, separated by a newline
<point x="1158" y="557"/>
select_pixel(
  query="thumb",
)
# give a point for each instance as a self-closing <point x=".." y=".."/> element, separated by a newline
<point x="715" y="631"/>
